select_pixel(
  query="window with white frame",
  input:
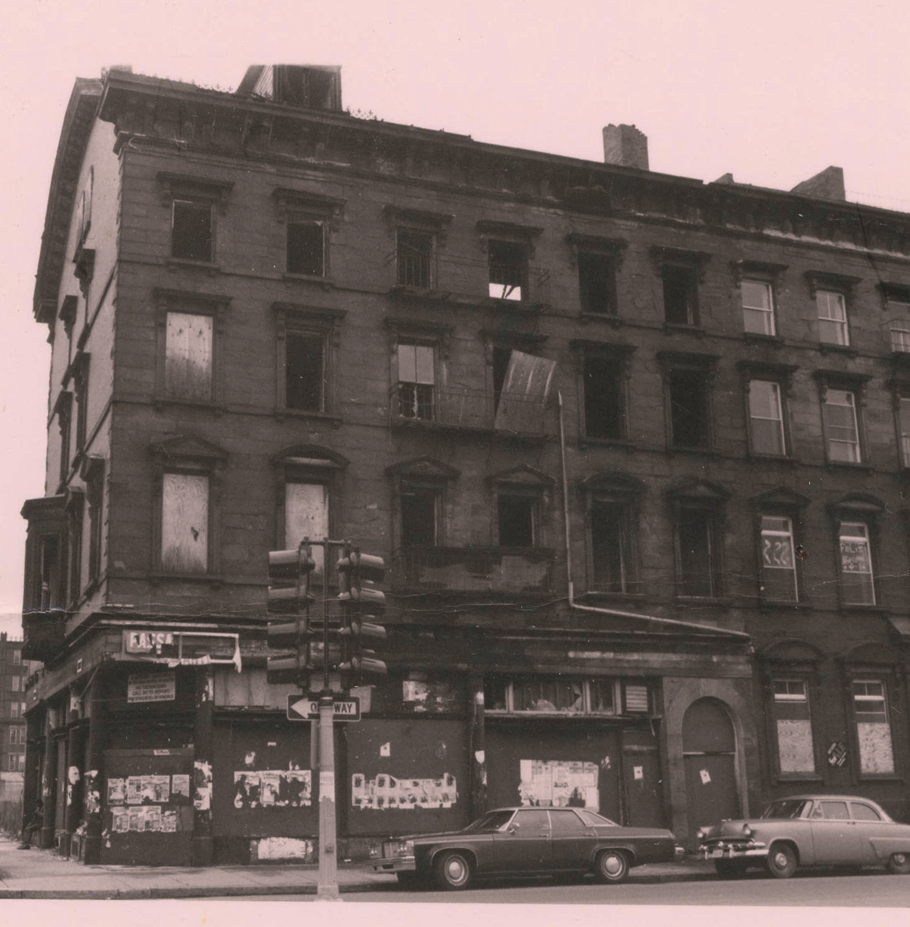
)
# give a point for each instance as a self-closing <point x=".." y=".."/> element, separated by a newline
<point x="897" y="313"/>
<point x="900" y="330"/>
<point x="14" y="735"/>
<point x="841" y="426"/>
<point x="873" y="727"/>
<point x="14" y="709"/>
<point x="857" y="578"/>
<point x="567" y="695"/>
<point x="416" y="380"/>
<point x="832" y="317"/>
<point x="766" y="418"/>
<point x="778" y="559"/>
<point x="793" y="727"/>
<point x="15" y="684"/>
<point x="17" y="658"/>
<point x="758" y="307"/>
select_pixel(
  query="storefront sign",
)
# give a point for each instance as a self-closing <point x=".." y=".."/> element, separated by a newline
<point x="152" y="687"/>
<point x="386" y="793"/>
<point x="182" y="648"/>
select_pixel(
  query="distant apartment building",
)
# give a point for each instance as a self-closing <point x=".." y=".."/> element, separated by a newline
<point x="13" y="673"/>
<point x="634" y="446"/>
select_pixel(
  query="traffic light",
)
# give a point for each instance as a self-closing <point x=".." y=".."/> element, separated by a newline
<point x="288" y="657"/>
<point x="361" y="602"/>
<point x="289" y="575"/>
<point x="289" y="640"/>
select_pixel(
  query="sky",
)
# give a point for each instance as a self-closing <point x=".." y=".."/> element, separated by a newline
<point x="772" y="92"/>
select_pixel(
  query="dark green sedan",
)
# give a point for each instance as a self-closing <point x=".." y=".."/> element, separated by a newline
<point x="526" y="841"/>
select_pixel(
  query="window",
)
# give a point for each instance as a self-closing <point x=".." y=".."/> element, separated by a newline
<point x="832" y="317"/>
<point x="688" y="401"/>
<point x="841" y="426"/>
<point x="516" y="519"/>
<point x="559" y="694"/>
<point x="79" y="370"/>
<point x="419" y="487"/>
<point x="15" y="684"/>
<point x="697" y="509"/>
<point x="49" y="566"/>
<point x="863" y="812"/>
<point x="14" y="735"/>
<point x="416" y="380"/>
<point x="305" y="372"/>
<point x="188" y="356"/>
<point x="12" y="762"/>
<point x="604" y="397"/>
<point x="857" y="580"/>
<point x="896" y="299"/>
<point x="873" y="727"/>
<point x="17" y="658"/>
<point x="306" y="247"/>
<point x="508" y="270"/>
<point x="73" y="513"/>
<point x="191" y="230"/>
<point x="418" y="516"/>
<point x="415" y="258"/>
<point x="93" y="475"/>
<point x="766" y="420"/>
<point x="680" y="287"/>
<point x="306" y="515"/>
<point x="14" y="709"/>
<point x="185" y="523"/>
<point x="611" y="547"/>
<point x="758" y="307"/>
<point x="597" y="283"/>
<point x="793" y="727"/>
<point x="903" y="417"/>
<point x="64" y="409"/>
<point x="778" y="559"/>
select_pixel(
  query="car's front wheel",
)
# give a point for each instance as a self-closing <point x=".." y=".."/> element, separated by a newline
<point x="453" y="871"/>
<point x="730" y="868"/>
<point x="612" y="866"/>
<point x="899" y="864"/>
<point x="782" y="861"/>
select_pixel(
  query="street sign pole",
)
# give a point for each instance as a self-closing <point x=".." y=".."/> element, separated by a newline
<point x="327" y="886"/>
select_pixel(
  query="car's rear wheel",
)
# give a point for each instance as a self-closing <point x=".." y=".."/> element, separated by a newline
<point x="730" y="868"/>
<point x="782" y="861"/>
<point x="899" y="864"/>
<point x="453" y="870"/>
<point x="612" y="866"/>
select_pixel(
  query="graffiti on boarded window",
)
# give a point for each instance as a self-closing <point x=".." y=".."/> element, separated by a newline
<point x="559" y="783"/>
<point x="273" y="788"/>
<point x="388" y="793"/>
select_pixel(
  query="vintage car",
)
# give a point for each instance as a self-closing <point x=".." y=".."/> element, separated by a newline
<point x="526" y="841"/>
<point x="809" y="830"/>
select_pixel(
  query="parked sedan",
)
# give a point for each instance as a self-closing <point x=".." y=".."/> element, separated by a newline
<point x="809" y="830"/>
<point x="527" y="841"/>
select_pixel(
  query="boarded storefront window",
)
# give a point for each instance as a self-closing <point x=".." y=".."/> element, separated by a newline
<point x="794" y="726"/>
<point x="873" y="729"/>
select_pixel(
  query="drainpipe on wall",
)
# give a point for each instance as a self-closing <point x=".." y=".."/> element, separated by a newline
<point x="669" y="622"/>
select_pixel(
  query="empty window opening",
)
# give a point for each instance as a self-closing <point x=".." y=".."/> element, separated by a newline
<point x="697" y="553"/>
<point x="508" y="270"/>
<point x="689" y="419"/>
<point x="306" y="248"/>
<point x="596" y="283"/>
<point x="516" y="517"/>
<point x="604" y="405"/>
<point x="415" y="258"/>
<point x="305" y="371"/>
<point x="418" y="517"/>
<point x="192" y="230"/>
<point x="680" y="295"/>
<point x="610" y="546"/>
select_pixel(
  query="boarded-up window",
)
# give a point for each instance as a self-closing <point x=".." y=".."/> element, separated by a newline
<point x="873" y="729"/>
<point x="185" y="523"/>
<point x="306" y="515"/>
<point x="188" y="359"/>
<point x="794" y="726"/>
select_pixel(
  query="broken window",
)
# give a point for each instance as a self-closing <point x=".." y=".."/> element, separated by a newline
<point x="191" y="230"/>
<point x="604" y="399"/>
<point x="793" y="727"/>
<point x="185" y="523"/>
<point x="698" y="552"/>
<point x="689" y="408"/>
<point x="612" y="546"/>
<point x="416" y="380"/>
<point x="306" y="247"/>
<point x="516" y="519"/>
<point x="680" y="285"/>
<point x="415" y="258"/>
<point x="873" y="727"/>
<point x="418" y="516"/>
<point x="508" y="270"/>
<point x="305" y="373"/>
<point x="188" y="357"/>
<point x="597" y="283"/>
<point x="521" y="387"/>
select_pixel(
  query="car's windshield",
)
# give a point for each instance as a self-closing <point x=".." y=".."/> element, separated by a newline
<point x="490" y="822"/>
<point x="785" y="808"/>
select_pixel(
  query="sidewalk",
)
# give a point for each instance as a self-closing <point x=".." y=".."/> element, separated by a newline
<point x="42" y="874"/>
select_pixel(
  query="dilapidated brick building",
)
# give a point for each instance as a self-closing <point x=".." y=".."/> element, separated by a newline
<point x="633" y="445"/>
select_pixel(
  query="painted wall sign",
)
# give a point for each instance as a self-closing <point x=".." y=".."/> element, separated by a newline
<point x="386" y="793"/>
<point x="559" y="783"/>
<point x="151" y="687"/>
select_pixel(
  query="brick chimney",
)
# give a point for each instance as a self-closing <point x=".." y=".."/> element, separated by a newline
<point x="827" y="185"/>
<point x="626" y="145"/>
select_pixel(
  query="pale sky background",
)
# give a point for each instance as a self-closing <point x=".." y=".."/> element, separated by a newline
<point x="773" y="92"/>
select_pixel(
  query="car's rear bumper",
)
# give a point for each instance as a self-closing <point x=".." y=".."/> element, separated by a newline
<point x="404" y="864"/>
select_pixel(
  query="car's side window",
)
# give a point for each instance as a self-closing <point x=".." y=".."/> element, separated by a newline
<point x="832" y="811"/>
<point x="864" y="812"/>
<point x="531" y="822"/>
<point x="566" y="821"/>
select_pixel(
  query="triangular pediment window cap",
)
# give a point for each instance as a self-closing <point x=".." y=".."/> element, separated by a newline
<point x="522" y="475"/>
<point x="699" y="489"/>
<point x="187" y="447"/>
<point x="791" y="650"/>
<point x="781" y="498"/>
<point x="615" y="482"/>
<point x="871" y="653"/>
<point x="310" y="455"/>
<point x="858" y="503"/>
<point x="425" y="468"/>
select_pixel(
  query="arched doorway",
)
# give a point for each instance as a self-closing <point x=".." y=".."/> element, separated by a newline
<point x="709" y="756"/>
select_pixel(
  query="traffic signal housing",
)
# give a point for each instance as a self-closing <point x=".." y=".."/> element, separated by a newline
<point x="361" y="603"/>
<point x="289" y="573"/>
<point x="289" y="639"/>
<point x="288" y="656"/>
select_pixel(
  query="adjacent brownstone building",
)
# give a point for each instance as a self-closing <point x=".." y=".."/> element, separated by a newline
<point x="633" y="446"/>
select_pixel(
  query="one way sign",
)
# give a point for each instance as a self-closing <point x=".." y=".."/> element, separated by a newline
<point x="306" y="708"/>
